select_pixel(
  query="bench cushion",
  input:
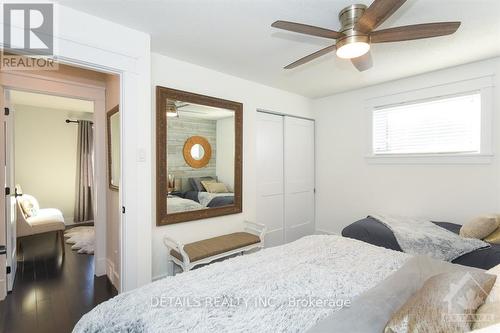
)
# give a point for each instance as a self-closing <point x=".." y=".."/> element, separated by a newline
<point x="217" y="245"/>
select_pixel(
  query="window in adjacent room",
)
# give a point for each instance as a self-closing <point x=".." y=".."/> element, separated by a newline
<point x="445" y="125"/>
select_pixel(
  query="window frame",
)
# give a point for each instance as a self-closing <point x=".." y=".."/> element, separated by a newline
<point x="482" y="85"/>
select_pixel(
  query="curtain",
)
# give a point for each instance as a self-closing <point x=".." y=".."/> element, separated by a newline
<point x="84" y="207"/>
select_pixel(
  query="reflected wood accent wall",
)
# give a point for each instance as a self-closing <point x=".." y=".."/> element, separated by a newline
<point x="181" y="129"/>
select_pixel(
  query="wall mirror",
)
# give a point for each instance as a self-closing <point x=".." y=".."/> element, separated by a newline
<point x="199" y="156"/>
<point x="113" y="133"/>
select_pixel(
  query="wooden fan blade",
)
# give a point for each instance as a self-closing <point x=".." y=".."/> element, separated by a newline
<point x="411" y="32"/>
<point x="307" y="29"/>
<point x="376" y="14"/>
<point x="310" y="57"/>
<point x="364" y="62"/>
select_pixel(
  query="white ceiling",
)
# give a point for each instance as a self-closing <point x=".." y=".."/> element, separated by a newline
<point x="50" y="101"/>
<point x="235" y="37"/>
<point x="192" y="110"/>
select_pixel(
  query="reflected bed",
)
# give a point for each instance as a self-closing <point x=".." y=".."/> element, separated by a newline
<point x="177" y="204"/>
<point x="210" y="200"/>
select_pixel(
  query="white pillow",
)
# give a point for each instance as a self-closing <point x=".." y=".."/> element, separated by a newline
<point x="29" y="205"/>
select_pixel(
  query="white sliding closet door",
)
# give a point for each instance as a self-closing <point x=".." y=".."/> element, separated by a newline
<point x="270" y="187"/>
<point x="299" y="178"/>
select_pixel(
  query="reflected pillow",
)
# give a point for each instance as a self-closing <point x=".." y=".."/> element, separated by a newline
<point x="480" y="227"/>
<point x="196" y="183"/>
<point x="446" y="303"/>
<point x="213" y="187"/>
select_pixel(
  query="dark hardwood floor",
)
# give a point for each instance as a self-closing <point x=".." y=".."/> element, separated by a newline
<point x="51" y="293"/>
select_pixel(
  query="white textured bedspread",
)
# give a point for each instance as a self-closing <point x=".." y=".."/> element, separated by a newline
<point x="282" y="289"/>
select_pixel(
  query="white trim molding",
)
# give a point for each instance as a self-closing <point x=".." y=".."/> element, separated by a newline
<point x="112" y="48"/>
<point x="326" y="232"/>
<point x="112" y="273"/>
<point x="484" y="85"/>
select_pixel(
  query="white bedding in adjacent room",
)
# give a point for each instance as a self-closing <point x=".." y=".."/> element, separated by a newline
<point x="268" y="291"/>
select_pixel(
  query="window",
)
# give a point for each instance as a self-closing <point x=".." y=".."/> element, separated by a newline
<point x="449" y="125"/>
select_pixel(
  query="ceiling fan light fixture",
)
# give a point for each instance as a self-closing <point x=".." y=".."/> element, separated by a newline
<point x="172" y="114"/>
<point x="353" y="47"/>
<point x="358" y="29"/>
<point x="172" y="110"/>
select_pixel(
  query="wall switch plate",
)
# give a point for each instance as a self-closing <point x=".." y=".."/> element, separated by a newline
<point x="141" y="155"/>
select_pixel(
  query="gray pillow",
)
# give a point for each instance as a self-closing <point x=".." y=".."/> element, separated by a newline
<point x="196" y="183"/>
<point x="370" y="311"/>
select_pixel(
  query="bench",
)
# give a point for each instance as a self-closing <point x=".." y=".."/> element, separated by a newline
<point x="205" y="251"/>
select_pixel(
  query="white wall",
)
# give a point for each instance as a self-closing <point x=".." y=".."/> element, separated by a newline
<point x="225" y="152"/>
<point x="45" y="153"/>
<point x="349" y="188"/>
<point x="176" y="74"/>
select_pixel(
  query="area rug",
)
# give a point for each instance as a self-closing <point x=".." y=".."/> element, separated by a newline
<point x="82" y="238"/>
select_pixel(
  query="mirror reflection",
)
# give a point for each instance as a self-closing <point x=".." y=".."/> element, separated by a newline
<point x="113" y="128"/>
<point x="200" y="157"/>
<point x="197" y="152"/>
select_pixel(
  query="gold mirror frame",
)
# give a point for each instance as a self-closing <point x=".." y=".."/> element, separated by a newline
<point x="162" y="216"/>
<point x="111" y="112"/>
<point x="186" y="151"/>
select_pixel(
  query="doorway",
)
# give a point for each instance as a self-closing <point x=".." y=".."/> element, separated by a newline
<point x="83" y="96"/>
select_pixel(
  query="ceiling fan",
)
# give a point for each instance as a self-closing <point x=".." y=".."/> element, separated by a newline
<point x="174" y="109"/>
<point x="358" y="32"/>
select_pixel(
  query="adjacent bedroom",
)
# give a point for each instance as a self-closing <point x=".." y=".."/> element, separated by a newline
<point x="280" y="166"/>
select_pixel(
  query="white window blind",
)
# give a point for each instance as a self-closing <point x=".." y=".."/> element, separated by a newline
<point x="446" y="125"/>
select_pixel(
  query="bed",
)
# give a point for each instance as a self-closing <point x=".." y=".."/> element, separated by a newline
<point x="287" y="288"/>
<point x="210" y="200"/>
<point x="371" y="231"/>
<point x="176" y="204"/>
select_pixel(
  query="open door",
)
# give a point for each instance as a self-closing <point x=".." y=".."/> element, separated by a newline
<point x="3" y="228"/>
<point x="10" y="198"/>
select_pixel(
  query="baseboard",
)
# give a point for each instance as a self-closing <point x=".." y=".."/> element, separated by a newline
<point x="112" y="274"/>
<point x="80" y="224"/>
<point x="326" y="232"/>
<point x="161" y="276"/>
<point x="169" y="271"/>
